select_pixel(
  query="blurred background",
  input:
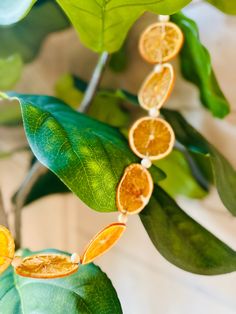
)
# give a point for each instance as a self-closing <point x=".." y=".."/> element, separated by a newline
<point x="145" y="282"/>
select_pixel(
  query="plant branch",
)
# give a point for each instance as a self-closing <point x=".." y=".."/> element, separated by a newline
<point x="32" y="176"/>
<point x="3" y="214"/>
<point x="38" y="169"/>
<point x="94" y="82"/>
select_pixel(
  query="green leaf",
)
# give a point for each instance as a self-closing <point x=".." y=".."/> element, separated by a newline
<point x="196" y="68"/>
<point x="87" y="155"/>
<point x="10" y="71"/>
<point x="10" y="113"/>
<point x="182" y="241"/>
<point x="105" y="107"/>
<point x="12" y="11"/>
<point x="119" y="60"/>
<point x="179" y="179"/>
<point x="223" y="172"/>
<point x="87" y="291"/>
<point x="25" y="38"/>
<point x="103" y="25"/>
<point x="227" y="6"/>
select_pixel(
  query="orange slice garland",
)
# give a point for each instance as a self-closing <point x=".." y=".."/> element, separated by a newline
<point x="46" y="266"/>
<point x="102" y="242"/>
<point x="134" y="190"/>
<point x="152" y="138"/>
<point x="157" y="88"/>
<point x="161" y="42"/>
<point x="7" y="248"/>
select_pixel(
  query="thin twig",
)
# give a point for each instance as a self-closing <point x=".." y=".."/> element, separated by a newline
<point x="3" y="214"/>
<point x="35" y="172"/>
<point x="94" y="82"/>
<point x="38" y="169"/>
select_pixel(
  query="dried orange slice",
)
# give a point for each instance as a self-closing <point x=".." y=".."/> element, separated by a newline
<point x="7" y="248"/>
<point x="161" y="42"/>
<point x="157" y="88"/>
<point x="134" y="190"/>
<point x="46" y="266"/>
<point x="102" y="242"/>
<point x="152" y="138"/>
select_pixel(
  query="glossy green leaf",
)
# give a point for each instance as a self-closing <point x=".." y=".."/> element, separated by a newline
<point x="197" y="68"/>
<point x="11" y="11"/>
<point x="10" y="71"/>
<point x="182" y="241"/>
<point x="87" y="291"/>
<point x="179" y="179"/>
<point x="223" y="172"/>
<point x="103" y="25"/>
<point x="227" y="6"/>
<point x="25" y="37"/>
<point x="87" y="155"/>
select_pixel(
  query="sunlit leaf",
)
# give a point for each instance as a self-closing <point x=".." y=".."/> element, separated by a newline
<point x="10" y="71"/>
<point x="227" y="6"/>
<point x="103" y="25"/>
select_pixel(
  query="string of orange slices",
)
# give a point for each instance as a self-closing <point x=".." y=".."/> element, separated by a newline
<point x="150" y="138"/>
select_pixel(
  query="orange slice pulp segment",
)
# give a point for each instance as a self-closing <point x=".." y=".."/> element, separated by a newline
<point x="7" y="248"/>
<point x="152" y="138"/>
<point x="46" y="266"/>
<point x="161" y="42"/>
<point x="102" y="242"/>
<point x="157" y="88"/>
<point x="134" y="190"/>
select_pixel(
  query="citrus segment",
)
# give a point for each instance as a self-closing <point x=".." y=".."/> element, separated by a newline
<point x="157" y="88"/>
<point x="152" y="138"/>
<point x="134" y="190"/>
<point x="161" y="42"/>
<point x="46" y="266"/>
<point x="7" y="248"/>
<point x="103" y="241"/>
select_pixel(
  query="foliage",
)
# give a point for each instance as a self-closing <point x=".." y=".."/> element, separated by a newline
<point x="183" y="241"/>
<point x="226" y="6"/>
<point x="12" y="11"/>
<point x="103" y="25"/>
<point x="10" y="71"/>
<point x="196" y="67"/>
<point x="87" y="291"/>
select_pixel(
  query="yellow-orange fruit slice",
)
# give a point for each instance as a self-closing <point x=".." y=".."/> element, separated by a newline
<point x="161" y="42"/>
<point x="46" y="266"/>
<point x="134" y="190"/>
<point x="7" y="248"/>
<point x="157" y="88"/>
<point x="102" y="242"/>
<point x="152" y="138"/>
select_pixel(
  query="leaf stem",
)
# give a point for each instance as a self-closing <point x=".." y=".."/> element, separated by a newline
<point x="94" y="82"/>
<point x="32" y="176"/>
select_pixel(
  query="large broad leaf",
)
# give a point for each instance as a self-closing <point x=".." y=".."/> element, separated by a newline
<point x="26" y="37"/>
<point x="10" y="71"/>
<point x="227" y="6"/>
<point x="11" y="11"/>
<point x="182" y="241"/>
<point x="87" y="155"/>
<point x="223" y="172"/>
<point x="196" y="67"/>
<point x="87" y="291"/>
<point x="103" y="25"/>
